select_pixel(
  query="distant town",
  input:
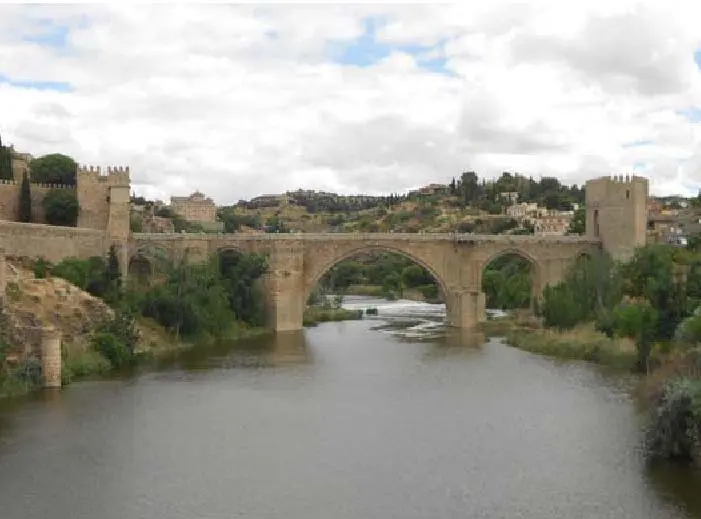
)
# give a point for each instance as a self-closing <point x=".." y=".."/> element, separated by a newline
<point x="507" y="205"/>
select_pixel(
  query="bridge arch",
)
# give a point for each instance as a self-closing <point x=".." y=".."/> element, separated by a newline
<point x="535" y="275"/>
<point x="318" y="270"/>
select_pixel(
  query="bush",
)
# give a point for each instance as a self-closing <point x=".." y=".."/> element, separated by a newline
<point x="54" y="168"/>
<point x="41" y="268"/>
<point x="676" y="424"/>
<point x="61" y="207"/>
<point x="115" y="351"/>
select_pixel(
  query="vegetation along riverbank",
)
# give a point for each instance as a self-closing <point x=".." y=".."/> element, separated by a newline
<point x="107" y="327"/>
<point x="643" y="315"/>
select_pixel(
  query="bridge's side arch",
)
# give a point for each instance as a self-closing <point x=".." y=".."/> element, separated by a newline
<point x="317" y="269"/>
<point x="535" y="275"/>
<point x="144" y="263"/>
<point x="534" y="263"/>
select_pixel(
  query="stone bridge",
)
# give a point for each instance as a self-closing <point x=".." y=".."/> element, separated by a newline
<point x="616" y="221"/>
<point x="298" y="261"/>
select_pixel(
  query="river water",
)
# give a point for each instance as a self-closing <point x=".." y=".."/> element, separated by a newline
<point x="390" y="417"/>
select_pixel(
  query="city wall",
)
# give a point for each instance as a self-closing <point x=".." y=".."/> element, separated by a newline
<point x="9" y="199"/>
<point x="51" y="243"/>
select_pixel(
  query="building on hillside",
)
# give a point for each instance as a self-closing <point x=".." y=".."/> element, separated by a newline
<point x="653" y="206"/>
<point x="435" y="189"/>
<point x="194" y="208"/>
<point x="522" y="211"/>
<point x="269" y="200"/>
<point x="510" y="197"/>
<point x="552" y="225"/>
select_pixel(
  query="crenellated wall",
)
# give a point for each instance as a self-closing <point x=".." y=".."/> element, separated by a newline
<point x="9" y="199"/>
<point x="50" y="242"/>
<point x="96" y="195"/>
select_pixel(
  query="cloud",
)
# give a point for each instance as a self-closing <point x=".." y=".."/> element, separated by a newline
<point x="242" y="100"/>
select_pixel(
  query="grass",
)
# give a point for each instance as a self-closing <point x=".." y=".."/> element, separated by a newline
<point x="580" y="343"/>
<point x="82" y="363"/>
<point x="314" y="315"/>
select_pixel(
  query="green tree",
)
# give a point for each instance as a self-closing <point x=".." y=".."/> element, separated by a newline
<point x="25" y="201"/>
<point x="638" y="322"/>
<point x="61" y="207"/>
<point x="5" y="162"/>
<point x="578" y="223"/>
<point x="54" y="168"/>
<point x="414" y="276"/>
<point x="589" y="292"/>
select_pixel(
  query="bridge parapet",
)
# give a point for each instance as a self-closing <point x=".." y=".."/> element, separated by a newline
<point x="360" y="237"/>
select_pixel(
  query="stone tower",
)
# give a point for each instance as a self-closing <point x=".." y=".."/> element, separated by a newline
<point x="104" y="205"/>
<point x="617" y="213"/>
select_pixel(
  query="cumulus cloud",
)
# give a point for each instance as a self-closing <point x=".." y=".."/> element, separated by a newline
<point x="242" y="100"/>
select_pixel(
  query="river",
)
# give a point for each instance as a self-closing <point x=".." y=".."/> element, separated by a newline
<point x="390" y="417"/>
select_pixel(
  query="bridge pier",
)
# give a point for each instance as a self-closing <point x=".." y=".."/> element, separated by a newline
<point x="465" y="308"/>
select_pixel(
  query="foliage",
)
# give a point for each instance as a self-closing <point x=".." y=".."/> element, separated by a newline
<point x="207" y="298"/>
<point x="590" y="290"/>
<point x="639" y="322"/>
<point x="94" y="275"/>
<point x="41" y="268"/>
<point x="579" y="222"/>
<point x="240" y="273"/>
<point x="25" y="201"/>
<point x="54" y="168"/>
<point x="61" y="207"/>
<point x="507" y="282"/>
<point x="675" y="430"/>
<point x="5" y="162"/>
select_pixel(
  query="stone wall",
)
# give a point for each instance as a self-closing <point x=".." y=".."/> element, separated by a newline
<point x="9" y="199"/>
<point x="95" y="195"/>
<point x="50" y="242"/>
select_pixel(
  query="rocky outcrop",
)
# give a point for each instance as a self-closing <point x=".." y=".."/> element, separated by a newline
<point x="32" y="304"/>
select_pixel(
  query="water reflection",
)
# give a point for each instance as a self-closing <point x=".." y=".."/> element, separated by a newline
<point x="266" y="350"/>
<point x="677" y="485"/>
<point x="369" y="419"/>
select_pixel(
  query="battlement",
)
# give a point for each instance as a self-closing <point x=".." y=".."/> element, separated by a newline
<point x="619" y="179"/>
<point x="36" y="185"/>
<point x="114" y="175"/>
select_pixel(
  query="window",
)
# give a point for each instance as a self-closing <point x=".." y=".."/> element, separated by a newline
<point x="627" y="194"/>
<point x="596" y="223"/>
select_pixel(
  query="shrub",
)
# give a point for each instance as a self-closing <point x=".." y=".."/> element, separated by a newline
<point x="41" y="268"/>
<point x="61" y="207"/>
<point x="115" y="351"/>
<point x="676" y="424"/>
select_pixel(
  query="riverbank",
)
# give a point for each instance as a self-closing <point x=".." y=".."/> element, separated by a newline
<point x="313" y="315"/>
<point x="81" y="361"/>
<point x="581" y="343"/>
<point x="670" y="391"/>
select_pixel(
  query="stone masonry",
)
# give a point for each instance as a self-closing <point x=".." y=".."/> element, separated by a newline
<point x="616" y="223"/>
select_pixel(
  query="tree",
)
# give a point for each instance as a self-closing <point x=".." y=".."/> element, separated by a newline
<point x="112" y="274"/>
<point x="61" y="207"/>
<point x="578" y="223"/>
<point x="5" y="162"/>
<point x="54" y="168"/>
<point x="25" y="201"/>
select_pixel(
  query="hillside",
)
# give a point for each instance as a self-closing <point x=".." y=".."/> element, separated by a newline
<point x="467" y="204"/>
<point x="32" y="303"/>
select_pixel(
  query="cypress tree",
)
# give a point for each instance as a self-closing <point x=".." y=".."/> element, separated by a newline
<point x="25" y="201"/>
<point x="114" y="279"/>
<point x="5" y="162"/>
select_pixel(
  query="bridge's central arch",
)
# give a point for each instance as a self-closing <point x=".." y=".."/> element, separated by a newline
<point x="319" y="271"/>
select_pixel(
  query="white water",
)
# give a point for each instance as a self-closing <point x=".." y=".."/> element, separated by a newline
<point x="426" y="319"/>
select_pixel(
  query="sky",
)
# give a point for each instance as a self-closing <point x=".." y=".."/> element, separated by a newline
<point x="243" y="100"/>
